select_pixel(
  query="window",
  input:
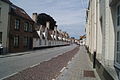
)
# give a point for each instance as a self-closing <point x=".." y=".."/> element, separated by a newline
<point x="118" y="15"/>
<point x="16" y="41"/>
<point x="26" y="42"/>
<point x="0" y="14"/>
<point x="117" y="31"/>
<point x="0" y="37"/>
<point x="118" y="47"/>
<point x="17" y="24"/>
<point x="26" y="26"/>
<point x="30" y="28"/>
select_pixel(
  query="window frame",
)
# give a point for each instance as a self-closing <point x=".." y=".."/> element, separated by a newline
<point x="118" y="15"/>
<point x="1" y="37"/>
<point x="26" y="26"/>
<point x="0" y="13"/>
<point x="117" y="29"/>
<point x="30" y="28"/>
<point x="26" y="41"/>
<point x="17" y="25"/>
<point x="16" y="41"/>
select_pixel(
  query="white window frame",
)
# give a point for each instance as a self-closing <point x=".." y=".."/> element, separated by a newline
<point x="117" y="29"/>
<point x="16" y="41"/>
<point x="26" y="26"/>
<point x="17" y="24"/>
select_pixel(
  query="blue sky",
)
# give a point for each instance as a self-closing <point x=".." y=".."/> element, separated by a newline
<point x="69" y="14"/>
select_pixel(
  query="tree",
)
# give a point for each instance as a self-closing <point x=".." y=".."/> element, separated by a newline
<point x="43" y="18"/>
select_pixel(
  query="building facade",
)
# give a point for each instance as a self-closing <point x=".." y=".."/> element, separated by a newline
<point x="20" y="30"/>
<point x="16" y="28"/>
<point x="102" y="37"/>
<point x="4" y="23"/>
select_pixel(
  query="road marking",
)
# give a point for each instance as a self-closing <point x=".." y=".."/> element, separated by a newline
<point x="69" y="62"/>
<point x="34" y="65"/>
<point x="9" y="76"/>
<point x="62" y="69"/>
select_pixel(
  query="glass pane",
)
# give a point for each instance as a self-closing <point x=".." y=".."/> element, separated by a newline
<point x="118" y="46"/>
<point x="118" y="57"/>
<point x="0" y="37"/>
<point x="118" y="36"/>
<point x="117" y="10"/>
<point x="0" y="13"/>
<point x="26" y="25"/>
<point x="17" y="24"/>
<point x="118" y="20"/>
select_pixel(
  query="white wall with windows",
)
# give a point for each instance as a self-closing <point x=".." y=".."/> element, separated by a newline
<point x="4" y="17"/>
<point x="101" y="33"/>
<point x="117" y="33"/>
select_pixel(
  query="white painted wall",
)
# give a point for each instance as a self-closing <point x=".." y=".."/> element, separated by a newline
<point x="101" y="36"/>
<point x="4" y="23"/>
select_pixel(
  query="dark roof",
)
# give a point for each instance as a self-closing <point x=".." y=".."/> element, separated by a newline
<point x="19" y="12"/>
<point x="7" y="1"/>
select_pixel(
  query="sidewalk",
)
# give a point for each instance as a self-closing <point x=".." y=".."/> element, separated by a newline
<point x="80" y="68"/>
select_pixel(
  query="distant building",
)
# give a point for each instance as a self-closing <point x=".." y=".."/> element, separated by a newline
<point x="82" y="40"/>
<point x="16" y="33"/>
<point x="46" y="28"/>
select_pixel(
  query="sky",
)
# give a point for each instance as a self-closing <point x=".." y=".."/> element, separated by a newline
<point x="69" y="14"/>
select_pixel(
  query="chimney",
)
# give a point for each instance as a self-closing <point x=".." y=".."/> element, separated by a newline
<point x="55" y="28"/>
<point x="34" y="17"/>
<point x="48" y="24"/>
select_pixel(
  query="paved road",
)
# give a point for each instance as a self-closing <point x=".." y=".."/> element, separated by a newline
<point x="10" y="65"/>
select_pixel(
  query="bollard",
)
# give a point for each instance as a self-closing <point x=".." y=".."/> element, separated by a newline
<point x="94" y="59"/>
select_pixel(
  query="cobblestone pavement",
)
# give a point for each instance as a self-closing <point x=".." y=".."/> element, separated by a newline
<point x="46" y="70"/>
<point x="80" y="68"/>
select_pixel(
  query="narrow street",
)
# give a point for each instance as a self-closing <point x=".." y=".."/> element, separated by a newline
<point x="13" y="64"/>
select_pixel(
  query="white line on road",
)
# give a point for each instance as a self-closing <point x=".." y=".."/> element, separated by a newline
<point x="34" y="65"/>
<point x="9" y="76"/>
<point x="62" y="69"/>
<point x="69" y="62"/>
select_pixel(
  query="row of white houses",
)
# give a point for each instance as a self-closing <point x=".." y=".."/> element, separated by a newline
<point x="48" y="37"/>
<point x="103" y="37"/>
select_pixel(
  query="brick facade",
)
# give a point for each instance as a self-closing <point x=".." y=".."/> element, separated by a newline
<point x="21" y="33"/>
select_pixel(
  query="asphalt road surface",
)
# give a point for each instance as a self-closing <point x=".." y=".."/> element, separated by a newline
<point x="13" y="64"/>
